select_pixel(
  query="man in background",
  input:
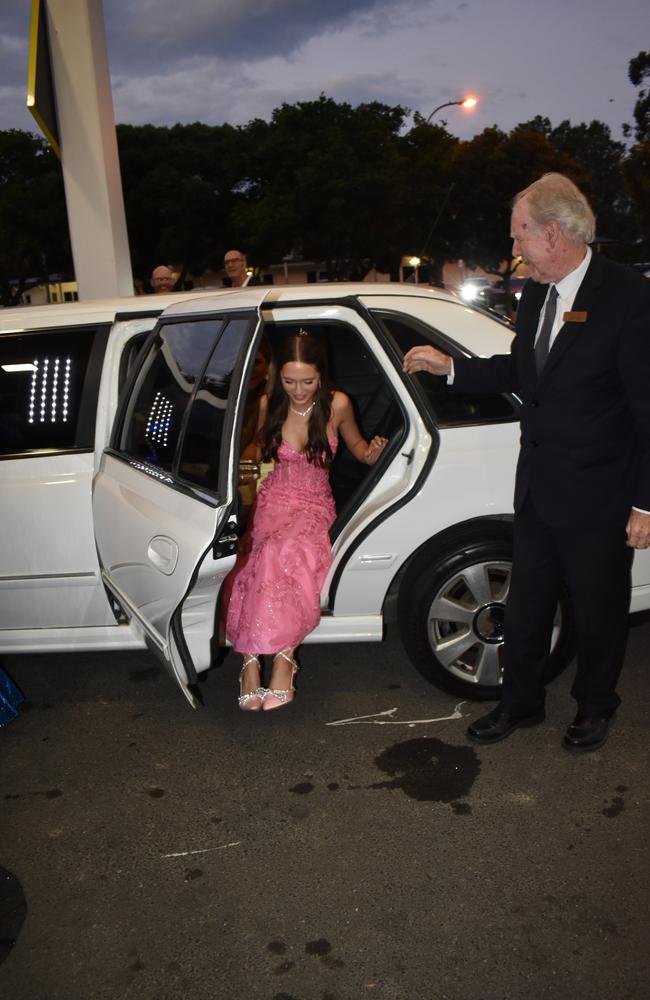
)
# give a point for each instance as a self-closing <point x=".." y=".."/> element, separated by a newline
<point x="162" y="279"/>
<point x="236" y="266"/>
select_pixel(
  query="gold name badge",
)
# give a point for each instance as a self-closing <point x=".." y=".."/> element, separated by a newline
<point x="574" y="317"/>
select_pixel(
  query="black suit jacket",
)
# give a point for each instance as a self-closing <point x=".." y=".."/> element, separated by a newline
<point x="585" y="422"/>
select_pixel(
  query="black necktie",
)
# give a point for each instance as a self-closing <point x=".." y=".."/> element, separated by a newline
<point x="542" y="342"/>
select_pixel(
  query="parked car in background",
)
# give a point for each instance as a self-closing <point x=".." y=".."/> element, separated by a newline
<point x="121" y="503"/>
<point x="474" y="289"/>
<point x="502" y="300"/>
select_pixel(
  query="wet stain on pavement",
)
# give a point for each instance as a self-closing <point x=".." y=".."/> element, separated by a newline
<point x="617" y="805"/>
<point x="13" y="910"/>
<point x="53" y="793"/>
<point x="156" y="793"/>
<point x="461" y="808"/>
<point x="615" y="808"/>
<point x="137" y="966"/>
<point x="193" y="873"/>
<point x="148" y="674"/>
<point x="303" y="788"/>
<point x="11" y="797"/>
<point x="333" y="786"/>
<point x="322" y="949"/>
<point x="429" y="770"/>
<point x="276" y="947"/>
<point x="284" y="996"/>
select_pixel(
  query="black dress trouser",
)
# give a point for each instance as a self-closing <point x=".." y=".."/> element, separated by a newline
<point x="595" y="564"/>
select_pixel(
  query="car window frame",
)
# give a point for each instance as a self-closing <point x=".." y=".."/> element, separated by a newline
<point x="232" y="408"/>
<point x="444" y="343"/>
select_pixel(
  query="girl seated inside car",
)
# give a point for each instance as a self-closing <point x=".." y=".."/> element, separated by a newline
<point x="272" y="594"/>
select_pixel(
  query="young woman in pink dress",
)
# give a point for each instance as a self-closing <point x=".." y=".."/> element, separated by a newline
<point x="272" y="594"/>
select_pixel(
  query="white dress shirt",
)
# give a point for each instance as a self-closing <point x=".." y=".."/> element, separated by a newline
<point x="567" y="289"/>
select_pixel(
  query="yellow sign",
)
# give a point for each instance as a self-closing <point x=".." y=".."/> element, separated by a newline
<point x="40" y="88"/>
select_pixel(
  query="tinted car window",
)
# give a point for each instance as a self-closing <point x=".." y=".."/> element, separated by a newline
<point x="203" y="436"/>
<point x="449" y="407"/>
<point x="47" y="401"/>
<point x="163" y="389"/>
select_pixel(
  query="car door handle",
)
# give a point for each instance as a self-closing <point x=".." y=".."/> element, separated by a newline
<point x="163" y="553"/>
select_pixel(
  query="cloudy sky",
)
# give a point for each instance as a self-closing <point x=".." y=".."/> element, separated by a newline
<point x="233" y="60"/>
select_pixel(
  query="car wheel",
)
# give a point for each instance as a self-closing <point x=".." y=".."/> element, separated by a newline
<point x="451" y="611"/>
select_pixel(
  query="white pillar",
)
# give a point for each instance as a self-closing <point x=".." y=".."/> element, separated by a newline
<point x="91" y="170"/>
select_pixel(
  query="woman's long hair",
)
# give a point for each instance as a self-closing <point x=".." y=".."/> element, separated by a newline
<point x="257" y="388"/>
<point x="309" y="350"/>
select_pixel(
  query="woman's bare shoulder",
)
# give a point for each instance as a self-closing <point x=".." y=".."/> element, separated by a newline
<point x="340" y="401"/>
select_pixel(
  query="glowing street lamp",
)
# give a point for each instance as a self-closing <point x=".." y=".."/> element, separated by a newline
<point x="466" y="102"/>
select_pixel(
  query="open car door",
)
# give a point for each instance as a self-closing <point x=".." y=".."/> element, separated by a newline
<point x="165" y="493"/>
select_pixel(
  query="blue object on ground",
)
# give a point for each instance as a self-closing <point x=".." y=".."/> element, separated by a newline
<point x="10" y="698"/>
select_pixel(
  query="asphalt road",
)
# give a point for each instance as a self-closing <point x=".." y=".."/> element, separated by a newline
<point x="160" y="853"/>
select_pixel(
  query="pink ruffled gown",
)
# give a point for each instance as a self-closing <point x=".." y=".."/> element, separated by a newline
<point x="272" y="594"/>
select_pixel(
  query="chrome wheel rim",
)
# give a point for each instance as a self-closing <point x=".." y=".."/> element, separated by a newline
<point x="465" y="622"/>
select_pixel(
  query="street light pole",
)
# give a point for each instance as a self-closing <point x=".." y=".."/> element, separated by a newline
<point x="466" y="102"/>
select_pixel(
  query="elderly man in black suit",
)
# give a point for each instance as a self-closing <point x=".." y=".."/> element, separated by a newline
<point x="580" y="363"/>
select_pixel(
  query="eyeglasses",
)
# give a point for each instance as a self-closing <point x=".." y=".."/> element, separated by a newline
<point x="233" y="260"/>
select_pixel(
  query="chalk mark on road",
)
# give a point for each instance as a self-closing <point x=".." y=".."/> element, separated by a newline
<point x="378" y="719"/>
<point x="203" y="850"/>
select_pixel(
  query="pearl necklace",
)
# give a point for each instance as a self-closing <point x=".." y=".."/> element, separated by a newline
<point x="303" y="413"/>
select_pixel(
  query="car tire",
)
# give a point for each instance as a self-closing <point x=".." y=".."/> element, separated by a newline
<point x="451" y="610"/>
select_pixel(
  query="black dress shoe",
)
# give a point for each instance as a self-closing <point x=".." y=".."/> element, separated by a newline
<point x="497" y="724"/>
<point x="586" y="733"/>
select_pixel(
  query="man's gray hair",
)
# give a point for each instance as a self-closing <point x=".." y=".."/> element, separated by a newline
<point x="554" y="196"/>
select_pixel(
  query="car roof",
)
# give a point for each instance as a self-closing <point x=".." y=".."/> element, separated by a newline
<point x="270" y="295"/>
<point x="17" y="318"/>
<point x="478" y="332"/>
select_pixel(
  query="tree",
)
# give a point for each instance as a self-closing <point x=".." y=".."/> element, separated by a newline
<point x="422" y="194"/>
<point x="33" y="220"/>
<point x="490" y="170"/>
<point x="178" y="193"/>
<point x="639" y="72"/>
<point x="637" y="166"/>
<point x="321" y="180"/>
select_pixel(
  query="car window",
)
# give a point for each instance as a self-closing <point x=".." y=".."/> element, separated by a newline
<point x="202" y="442"/>
<point x="449" y="407"/>
<point x="174" y="418"/>
<point x="167" y="379"/>
<point x="48" y="389"/>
